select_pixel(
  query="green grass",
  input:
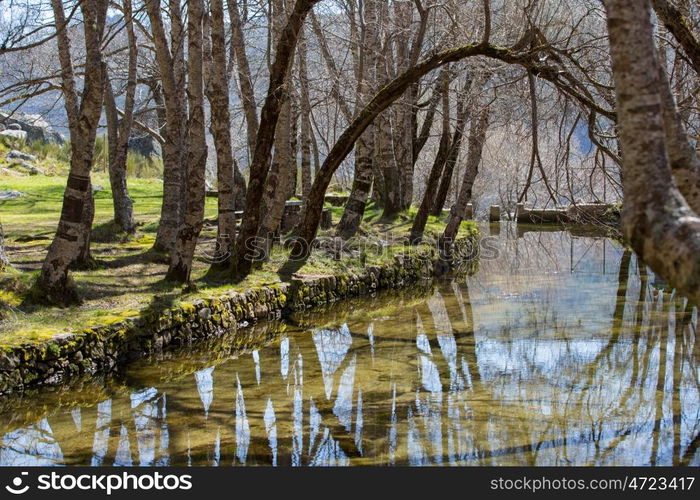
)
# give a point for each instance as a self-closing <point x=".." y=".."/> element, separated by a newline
<point x="129" y="277"/>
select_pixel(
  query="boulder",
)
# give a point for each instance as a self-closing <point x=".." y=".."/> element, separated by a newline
<point x="15" y="134"/>
<point x="31" y="169"/>
<point x="145" y="145"/>
<point x="14" y="154"/>
<point x="10" y="195"/>
<point x="34" y="127"/>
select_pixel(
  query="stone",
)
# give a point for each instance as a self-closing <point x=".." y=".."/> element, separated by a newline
<point x="13" y="153"/>
<point x="145" y="145"/>
<point x="11" y="195"/>
<point x="15" y="134"/>
<point x="35" y="128"/>
<point x="8" y="361"/>
<point x="494" y="213"/>
<point x="25" y="165"/>
<point x="469" y="211"/>
<point x="326" y="219"/>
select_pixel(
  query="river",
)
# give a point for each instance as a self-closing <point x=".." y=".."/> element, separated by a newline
<point x="560" y="350"/>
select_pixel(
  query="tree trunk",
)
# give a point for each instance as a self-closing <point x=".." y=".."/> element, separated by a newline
<point x="685" y="163"/>
<point x="4" y="261"/>
<point x="305" y="126"/>
<point x="217" y="94"/>
<point x="118" y="133"/>
<point x="677" y="24"/>
<point x="656" y="220"/>
<point x="174" y="149"/>
<point x="477" y="136"/>
<point x="268" y="121"/>
<point x="283" y="169"/>
<point x="53" y="285"/>
<point x="365" y="146"/>
<point x="84" y="258"/>
<point x="245" y="80"/>
<point x="438" y="165"/>
<point x="455" y="146"/>
<point x="182" y="254"/>
<point x="239" y="187"/>
<point x="403" y="110"/>
<point x="306" y="230"/>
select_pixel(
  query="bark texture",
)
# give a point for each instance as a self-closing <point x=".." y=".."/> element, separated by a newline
<point x="268" y="121"/>
<point x="477" y="136"/>
<point x="83" y="116"/>
<point x="183" y="252"/>
<point x="656" y="220"/>
<point x="119" y="130"/>
<point x="438" y="164"/>
<point x="220" y="128"/>
<point x="174" y="148"/>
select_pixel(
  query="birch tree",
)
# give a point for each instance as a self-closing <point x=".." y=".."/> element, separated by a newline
<point x="119" y="131"/>
<point x="182" y="254"/>
<point x="83" y="113"/>
<point x="656" y="219"/>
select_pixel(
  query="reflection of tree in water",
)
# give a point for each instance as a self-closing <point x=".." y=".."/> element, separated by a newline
<point x="525" y="363"/>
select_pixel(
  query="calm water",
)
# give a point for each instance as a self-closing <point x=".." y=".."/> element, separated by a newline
<point x="561" y="351"/>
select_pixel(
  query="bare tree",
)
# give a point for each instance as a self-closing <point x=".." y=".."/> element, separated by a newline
<point x="119" y="131"/>
<point x="656" y="219"/>
<point x="170" y="63"/>
<point x="266" y="134"/>
<point x="477" y="136"/>
<point x="182" y="254"/>
<point x="83" y="117"/>
<point x="217" y="94"/>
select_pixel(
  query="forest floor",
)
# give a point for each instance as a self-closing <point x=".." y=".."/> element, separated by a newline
<point x="128" y="276"/>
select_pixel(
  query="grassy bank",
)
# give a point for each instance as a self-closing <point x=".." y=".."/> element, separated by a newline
<point x="129" y="278"/>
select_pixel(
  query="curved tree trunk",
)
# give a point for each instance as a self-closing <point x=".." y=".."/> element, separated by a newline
<point x="438" y="164"/>
<point x="268" y="121"/>
<point x="685" y="163"/>
<point x="477" y="136"/>
<point x="656" y="220"/>
<point x="306" y="230"/>
<point x="83" y="116"/>
<point x="676" y="23"/>
<point x="183" y="252"/>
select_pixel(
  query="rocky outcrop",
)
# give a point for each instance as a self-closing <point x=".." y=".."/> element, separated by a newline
<point x="35" y="127"/>
<point x="14" y="154"/>
<point x="104" y="348"/>
<point x="145" y="145"/>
